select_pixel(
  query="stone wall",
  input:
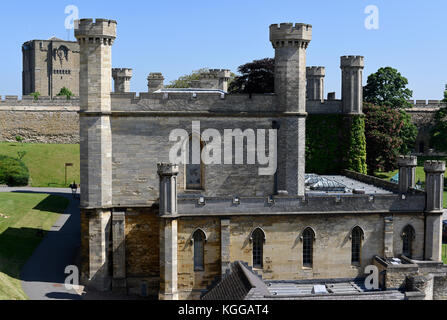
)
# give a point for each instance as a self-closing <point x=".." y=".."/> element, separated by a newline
<point x="282" y="248"/>
<point x="42" y="121"/>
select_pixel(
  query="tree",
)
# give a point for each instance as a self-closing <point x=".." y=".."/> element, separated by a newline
<point x="383" y="127"/>
<point x="439" y="131"/>
<point x="65" y="92"/>
<point x="256" y="77"/>
<point x="184" y="81"/>
<point x="387" y="87"/>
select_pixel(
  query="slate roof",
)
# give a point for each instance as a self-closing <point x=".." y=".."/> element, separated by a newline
<point x="239" y="283"/>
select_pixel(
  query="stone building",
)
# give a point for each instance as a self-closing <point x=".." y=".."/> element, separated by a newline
<point x="173" y="230"/>
<point x="50" y="65"/>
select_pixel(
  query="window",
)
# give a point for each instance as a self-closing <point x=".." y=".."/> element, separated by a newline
<point x="308" y="247"/>
<point x="408" y="235"/>
<point x="194" y="172"/>
<point x="199" y="250"/>
<point x="258" y="238"/>
<point x="356" y="245"/>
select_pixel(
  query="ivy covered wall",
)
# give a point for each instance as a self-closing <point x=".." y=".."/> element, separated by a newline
<point x="335" y="142"/>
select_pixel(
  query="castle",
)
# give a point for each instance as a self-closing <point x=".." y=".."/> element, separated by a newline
<point x="50" y="65"/>
<point x="183" y="230"/>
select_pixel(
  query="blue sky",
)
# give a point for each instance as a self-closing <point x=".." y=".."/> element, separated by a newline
<point x="176" y="37"/>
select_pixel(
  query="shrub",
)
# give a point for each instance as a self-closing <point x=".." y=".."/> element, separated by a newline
<point x="13" y="172"/>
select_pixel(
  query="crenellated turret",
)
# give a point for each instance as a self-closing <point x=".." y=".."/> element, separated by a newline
<point x="121" y="77"/>
<point x="315" y="83"/>
<point x="352" y="87"/>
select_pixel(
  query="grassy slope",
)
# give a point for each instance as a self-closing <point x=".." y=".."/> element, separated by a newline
<point x="46" y="162"/>
<point x="420" y="174"/>
<point x="19" y="234"/>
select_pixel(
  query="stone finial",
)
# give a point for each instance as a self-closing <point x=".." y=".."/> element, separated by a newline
<point x="167" y="169"/>
<point x="407" y="172"/>
<point x="434" y="166"/>
<point x="407" y="161"/>
<point x="289" y="34"/>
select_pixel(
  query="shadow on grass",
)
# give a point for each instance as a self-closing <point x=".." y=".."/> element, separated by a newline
<point x="53" y="203"/>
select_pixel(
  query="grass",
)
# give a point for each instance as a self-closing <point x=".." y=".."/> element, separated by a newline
<point x="444" y="253"/>
<point x="420" y="174"/>
<point x="46" y="162"/>
<point x="30" y="216"/>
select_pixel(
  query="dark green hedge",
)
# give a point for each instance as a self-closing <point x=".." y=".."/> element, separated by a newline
<point x="13" y="172"/>
<point x="334" y="143"/>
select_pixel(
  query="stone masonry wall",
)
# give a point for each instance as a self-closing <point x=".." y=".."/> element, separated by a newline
<point x="43" y="121"/>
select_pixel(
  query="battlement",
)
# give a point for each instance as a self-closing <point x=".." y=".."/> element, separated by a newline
<point x="155" y="76"/>
<point x="13" y="100"/>
<point x="434" y="166"/>
<point x="121" y="73"/>
<point x="352" y="61"/>
<point x="316" y="71"/>
<point x="216" y="74"/>
<point x="101" y="28"/>
<point x="427" y="104"/>
<point x="407" y="161"/>
<point x="289" y="34"/>
<point x="167" y="169"/>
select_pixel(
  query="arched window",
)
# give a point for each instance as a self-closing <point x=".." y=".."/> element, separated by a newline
<point x="258" y="238"/>
<point x="199" y="250"/>
<point x="308" y="247"/>
<point x="194" y="171"/>
<point x="356" y="245"/>
<point x="408" y="236"/>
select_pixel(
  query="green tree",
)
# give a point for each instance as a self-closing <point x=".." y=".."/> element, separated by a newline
<point x="184" y="81"/>
<point x="65" y="92"/>
<point x="256" y="77"/>
<point x="383" y="127"/>
<point x="387" y="87"/>
<point x="439" y="131"/>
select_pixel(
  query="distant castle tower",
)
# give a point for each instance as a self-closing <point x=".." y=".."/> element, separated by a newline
<point x="50" y="65"/>
<point x="352" y="87"/>
<point x="155" y="81"/>
<point x="315" y="83"/>
<point x="215" y="79"/>
<point x="121" y="78"/>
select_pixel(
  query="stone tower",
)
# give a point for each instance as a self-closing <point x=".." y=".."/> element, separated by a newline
<point x="434" y="187"/>
<point x="168" y="231"/>
<point x="155" y="82"/>
<point x="95" y="39"/>
<point x="50" y="65"/>
<point x="121" y="78"/>
<point x="290" y="42"/>
<point x="315" y="83"/>
<point x="215" y="79"/>
<point x="407" y="172"/>
<point x="352" y="87"/>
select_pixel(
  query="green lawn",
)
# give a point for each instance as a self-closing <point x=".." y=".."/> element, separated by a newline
<point x="46" y="162"/>
<point x="444" y="253"/>
<point x="30" y="216"/>
<point x="420" y="174"/>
